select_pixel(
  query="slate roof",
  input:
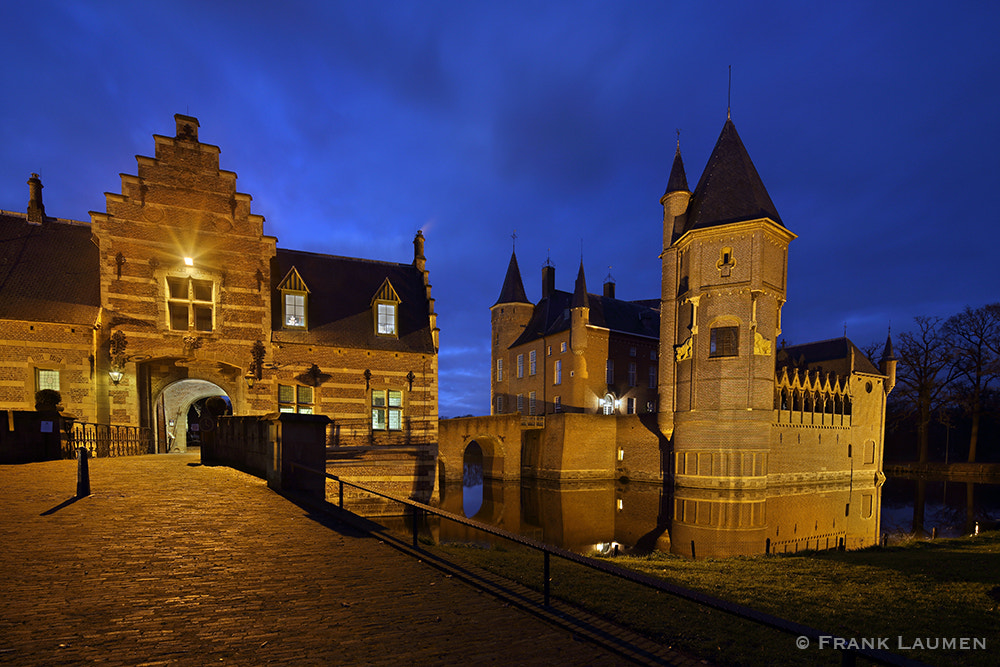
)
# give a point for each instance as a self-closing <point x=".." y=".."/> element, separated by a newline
<point x="677" y="182"/>
<point x="829" y="353"/>
<point x="340" y="302"/>
<point x="551" y="316"/>
<point x="730" y="189"/>
<point x="513" y="287"/>
<point x="48" y="272"/>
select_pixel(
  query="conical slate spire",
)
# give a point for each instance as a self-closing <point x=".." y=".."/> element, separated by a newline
<point x="513" y="287"/>
<point x="580" y="290"/>
<point x="730" y="189"/>
<point x="888" y="354"/>
<point x="678" y="179"/>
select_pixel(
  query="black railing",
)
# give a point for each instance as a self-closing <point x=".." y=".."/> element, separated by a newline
<point x="849" y="650"/>
<point x="103" y="440"/>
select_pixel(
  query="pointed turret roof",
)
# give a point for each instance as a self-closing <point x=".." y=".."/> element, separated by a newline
<point x="730" y="189"/>
<point x="580" y="290"/>
<point x="513" y="287"/>
<point x="678" y="181"/>
<point x="888" y="354"/>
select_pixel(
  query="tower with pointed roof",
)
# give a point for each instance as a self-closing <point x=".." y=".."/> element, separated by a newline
<point x="509" y="316"/>
<point x="723" y="284"/>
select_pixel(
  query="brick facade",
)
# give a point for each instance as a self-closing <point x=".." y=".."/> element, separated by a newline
<point x="183" y="278"/>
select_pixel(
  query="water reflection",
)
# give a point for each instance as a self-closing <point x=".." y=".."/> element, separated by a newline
<point x="946" y="508"/>
<point x="593" y="517"/>
<point x="472" y="480"/>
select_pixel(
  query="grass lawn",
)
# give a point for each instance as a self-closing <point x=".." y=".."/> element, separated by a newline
<point x="916" y="593"/>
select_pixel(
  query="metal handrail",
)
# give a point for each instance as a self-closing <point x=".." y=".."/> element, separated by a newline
<point x="848" y="653"/>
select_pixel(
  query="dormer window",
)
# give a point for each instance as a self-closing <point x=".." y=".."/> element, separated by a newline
<point x="385" y="308"/>
<point x="294" y="301"/>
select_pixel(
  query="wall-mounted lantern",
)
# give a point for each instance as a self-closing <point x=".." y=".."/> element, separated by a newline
<point x="118" y="345"/>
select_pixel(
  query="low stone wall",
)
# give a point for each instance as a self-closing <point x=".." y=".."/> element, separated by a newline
<point x="27" y="436"/>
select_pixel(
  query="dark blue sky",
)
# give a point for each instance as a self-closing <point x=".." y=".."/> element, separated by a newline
<point x="354" y="124"/>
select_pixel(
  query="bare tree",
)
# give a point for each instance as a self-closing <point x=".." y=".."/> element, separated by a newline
<point x="924" y="374"/>
<point x="974" y="337"/>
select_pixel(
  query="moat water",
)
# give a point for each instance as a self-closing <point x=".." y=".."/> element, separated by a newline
<point x="603" y="517"/>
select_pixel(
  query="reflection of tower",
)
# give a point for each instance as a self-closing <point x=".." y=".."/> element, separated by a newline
<point x="724" y="269"/>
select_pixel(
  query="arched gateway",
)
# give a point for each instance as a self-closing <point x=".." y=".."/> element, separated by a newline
<point x="184" y="411"/>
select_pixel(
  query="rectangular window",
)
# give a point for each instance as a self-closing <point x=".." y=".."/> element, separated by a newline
<point x="532" y="406"/>
<point x="548" y="351"/>
<point x="562" y="346"/>
<point x="630" y="406"/>
<point x="532" y="366"/>
<point x="520" y="403"/>
<point x="499" y="370"/>
<point x="499" y="404"/>
<point x="652" y="377"/>
<point x="387" y="410"/>
<point x="609" y="371"/>
<point x="386" y="319"/>
<point x="520" y="365"/>
<point x="557" y="403"/>
<point x="295" y="310"/>
<point x="724" y="342"/>
<point x="558" y="375"/>
<point x="631" y="352"/>
<point x="295" y="398"/>
<point x="652" y="355"/>
<point x="632" y="375"/>
<point x="190" y="303"/>
<point x="46" y="379"/>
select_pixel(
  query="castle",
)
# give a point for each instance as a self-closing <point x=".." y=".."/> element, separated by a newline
<point x="708" y="401"/>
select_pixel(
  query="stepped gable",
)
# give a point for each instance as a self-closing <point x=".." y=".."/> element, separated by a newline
<point x="730" y="189"/>
<point x="49" y="271"/>
<point x="341" y="290"/>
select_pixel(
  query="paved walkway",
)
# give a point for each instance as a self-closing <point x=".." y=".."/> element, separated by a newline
<point x="169" y="562"/>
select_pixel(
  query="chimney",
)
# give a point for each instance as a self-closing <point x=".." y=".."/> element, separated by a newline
<point x="36" y="209"/>
<point x="609" y="289"/>
<point x="419" y="260"/>
<point x="548" y="280"/>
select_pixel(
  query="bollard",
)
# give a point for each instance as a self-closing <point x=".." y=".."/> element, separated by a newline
<point x="934" y="533"/>
<point x="82" y="473"/>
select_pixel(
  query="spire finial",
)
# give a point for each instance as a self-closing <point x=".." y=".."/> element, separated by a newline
<point x="513" y="240"/>
<point x="678" y="140"/>
<point x="729" y="101"/>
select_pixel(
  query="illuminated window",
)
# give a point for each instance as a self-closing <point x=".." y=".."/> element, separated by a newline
<point x="295" y="398"/>
<point x="294" y="301"/>
<point x="385" y="306"/>
<point x="294" y="315"/>
<point x="724" y="342"/>
<point x="531" y="363"/>
<point x="46" y="379"/>
<point x="387" y="410"/>
<point x="190" y="303"/>
<point x="386" y="319"/>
